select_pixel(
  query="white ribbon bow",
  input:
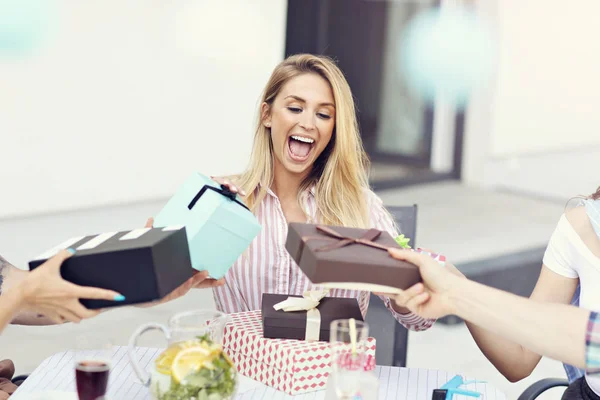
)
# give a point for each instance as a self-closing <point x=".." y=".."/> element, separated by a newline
<point x="309" y="302"/>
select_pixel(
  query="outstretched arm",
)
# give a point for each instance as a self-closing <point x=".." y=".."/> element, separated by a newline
<point x="11" y="276"/>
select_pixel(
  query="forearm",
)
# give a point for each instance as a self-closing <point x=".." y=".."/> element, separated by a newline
<point x="510" y="358"/>
<point x="10" y="302"/>
<point x="5" y="266"/>
<point x="11" y="277"/>
<point x="24" y="317"/>
<point x="555" y="330"/>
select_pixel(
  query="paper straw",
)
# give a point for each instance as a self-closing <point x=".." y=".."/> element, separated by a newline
<point x="353" y="335"/>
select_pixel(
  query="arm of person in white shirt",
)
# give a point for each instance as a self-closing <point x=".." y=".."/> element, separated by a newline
<point x="554" y="330"/>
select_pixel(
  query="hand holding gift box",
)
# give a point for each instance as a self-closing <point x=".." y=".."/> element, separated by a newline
<point x="219" y="225"/>
<point x="350" y="258"/>
<point x="143" y="265"/>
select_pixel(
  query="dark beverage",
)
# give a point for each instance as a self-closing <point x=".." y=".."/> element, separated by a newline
<point x="92" y="379"/>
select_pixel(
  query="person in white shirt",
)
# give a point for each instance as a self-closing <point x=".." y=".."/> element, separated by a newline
<point x="572" y="259"/>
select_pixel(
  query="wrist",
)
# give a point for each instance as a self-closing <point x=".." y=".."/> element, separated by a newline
<point x="15" y="297"/>
<point x="26" y="291"/>
<point x="458" y="290"/>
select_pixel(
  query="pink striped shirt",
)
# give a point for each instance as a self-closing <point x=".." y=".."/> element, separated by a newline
<point x="267" y="267"/>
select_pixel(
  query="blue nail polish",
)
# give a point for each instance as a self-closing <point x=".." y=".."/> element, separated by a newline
<point x="119" y="297"/>
<point x="71" y="250"/>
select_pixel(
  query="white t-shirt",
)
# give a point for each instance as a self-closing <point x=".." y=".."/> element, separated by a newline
<point x="567" y="255"/>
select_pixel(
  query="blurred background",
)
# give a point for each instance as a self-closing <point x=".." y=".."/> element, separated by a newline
<point x="106" y="106"/>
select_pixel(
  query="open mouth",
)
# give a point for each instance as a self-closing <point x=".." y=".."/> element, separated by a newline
<point x="300" y="147"/>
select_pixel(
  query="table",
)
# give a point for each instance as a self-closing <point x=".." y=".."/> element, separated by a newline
<point x="56" y="373"/>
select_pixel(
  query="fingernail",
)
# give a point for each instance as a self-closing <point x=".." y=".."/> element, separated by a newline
<point x="119" y="297"/>
<point x="243" y="192"/>
<point x="71" y="250"/>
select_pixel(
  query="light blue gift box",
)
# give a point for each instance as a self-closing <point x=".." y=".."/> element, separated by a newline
<point x="219" y="227"/>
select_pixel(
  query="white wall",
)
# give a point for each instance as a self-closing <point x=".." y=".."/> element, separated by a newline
<point x="115" y="109"/>
<point x="538" y="129"/>
<point x="548" y="92"/>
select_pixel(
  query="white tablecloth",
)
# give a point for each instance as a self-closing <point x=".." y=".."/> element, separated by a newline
<point x="56" y="374"/>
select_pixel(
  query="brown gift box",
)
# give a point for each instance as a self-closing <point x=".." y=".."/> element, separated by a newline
<point x="349" y="258"/>
<point x="279" y="324"/>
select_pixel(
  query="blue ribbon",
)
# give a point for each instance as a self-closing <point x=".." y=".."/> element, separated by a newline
<point x="452" y="387"/>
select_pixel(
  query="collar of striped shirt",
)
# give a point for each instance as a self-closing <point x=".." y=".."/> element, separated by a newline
<point x="311" y="190"/>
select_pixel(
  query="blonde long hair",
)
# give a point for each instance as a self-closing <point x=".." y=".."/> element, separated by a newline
<point x="339" y="173"/>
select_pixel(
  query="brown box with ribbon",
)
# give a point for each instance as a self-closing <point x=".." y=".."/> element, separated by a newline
<point x="349" y="258"/>
<point x="304" y="318"/>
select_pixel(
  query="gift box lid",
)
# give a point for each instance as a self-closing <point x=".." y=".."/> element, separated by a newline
<point x="218" y="223"/>
<point x="330" y="308"/>
<point x="328" y="262"/>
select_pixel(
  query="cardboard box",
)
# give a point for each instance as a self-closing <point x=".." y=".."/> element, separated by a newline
<point x="279" y="324"/>
<point x="143" y="264"/>
<point x="332" y="257"/>
<point x="219" y="225"/>
<point x="292" y="366"/>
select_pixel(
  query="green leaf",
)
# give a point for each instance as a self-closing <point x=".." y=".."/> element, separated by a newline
<point x="206" y="384"/>
<point x="403" y="241"/>
<point x="205" y="338"/>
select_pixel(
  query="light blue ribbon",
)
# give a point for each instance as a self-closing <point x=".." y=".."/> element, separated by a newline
<point x="452" y="388"/>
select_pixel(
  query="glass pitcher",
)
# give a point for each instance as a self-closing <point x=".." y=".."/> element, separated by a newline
<point x="194" y="364"/>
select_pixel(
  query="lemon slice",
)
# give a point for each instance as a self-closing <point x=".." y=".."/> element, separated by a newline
<point x="188" y="361"/>
<point x="165" y="359"/>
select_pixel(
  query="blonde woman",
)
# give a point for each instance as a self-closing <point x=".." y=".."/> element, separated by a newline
<point x="307" y="165"/>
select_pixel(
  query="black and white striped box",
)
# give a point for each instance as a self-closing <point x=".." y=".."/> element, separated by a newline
<point x="143" y="264"/>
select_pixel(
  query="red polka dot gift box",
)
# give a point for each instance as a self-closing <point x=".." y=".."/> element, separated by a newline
<point x="291" y="366"/>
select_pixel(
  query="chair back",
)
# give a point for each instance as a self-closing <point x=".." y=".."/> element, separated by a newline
<point x="391" y="336"/>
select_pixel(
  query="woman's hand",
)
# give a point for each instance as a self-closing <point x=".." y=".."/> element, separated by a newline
<point x="199" y="280"/>
<point x="46" y="292"/>
<point x="399" y="302"/>
<point x="429" y="299"/>
<point x="228" y="184"/>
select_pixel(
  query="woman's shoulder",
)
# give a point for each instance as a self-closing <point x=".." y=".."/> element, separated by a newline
<point x="379" y="215"/>
<point x="578" y="218"/>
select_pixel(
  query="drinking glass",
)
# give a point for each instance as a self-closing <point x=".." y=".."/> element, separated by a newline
<point x="348" y="360"/>
<point x="93" y="355"/>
